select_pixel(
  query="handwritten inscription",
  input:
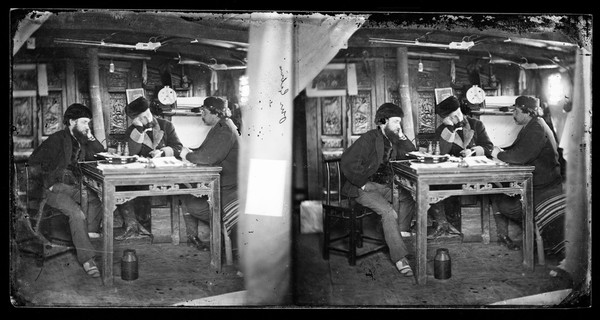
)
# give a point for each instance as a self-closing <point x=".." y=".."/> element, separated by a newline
<point x="283" y="118"/>
<point x="283" y="79"/>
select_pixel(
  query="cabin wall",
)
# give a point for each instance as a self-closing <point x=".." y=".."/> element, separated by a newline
<point x="332" y="121"/>
<point x="35" y="117"/>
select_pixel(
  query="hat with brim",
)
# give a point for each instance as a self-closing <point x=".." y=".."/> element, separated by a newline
<point x="527" y="104"/>
<point x="214" y="105"/>
<point x="136" y="107"/>
<point x="447" y="106"/>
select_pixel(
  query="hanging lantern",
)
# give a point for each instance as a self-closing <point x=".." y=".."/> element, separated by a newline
<point x="111" y="67"/>
<point x="420" y="65"/>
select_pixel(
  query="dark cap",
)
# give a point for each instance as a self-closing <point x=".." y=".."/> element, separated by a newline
<point x="527" y="104"/>
<point x="447" y="106"/>
<point x="215" y="105"/>
<point x="388" y="110"/>
<point x="76" y="111"/>
<point x="136" y="107"/>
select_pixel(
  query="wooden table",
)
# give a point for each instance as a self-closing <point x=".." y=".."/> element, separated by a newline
<point x="116" y="185"/>
<point x="476" y="180"/>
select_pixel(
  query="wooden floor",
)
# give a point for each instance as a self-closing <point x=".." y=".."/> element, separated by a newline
<point x="173" y="275"/>
<point x="168" y="275"/>
<point x="481" y="275"/>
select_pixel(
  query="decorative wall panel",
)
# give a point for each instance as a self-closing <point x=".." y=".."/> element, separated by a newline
<point x="118" y="118"/>
<point x="364" y="71"/>
<point x="25" y="79"/>
<point x="426" y="112"/>
<point x="332" y="115"/>
<point x="117" y="81"/>
<point x="55" y="75"/>
<point x="425" y="81"/>
<point x="361" y="112"/>
<point x="52" y="113"/>
<point x="332" y="143"/>
<point x="23" y="116"/>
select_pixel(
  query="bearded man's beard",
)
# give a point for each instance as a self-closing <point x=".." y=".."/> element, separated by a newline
<point x="392" y="135"/>
<point x="80" y="136"/>
<point x="461" y="123"/>
<point x="150" y="124"/>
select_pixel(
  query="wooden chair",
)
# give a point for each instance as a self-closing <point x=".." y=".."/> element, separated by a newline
<point x="547" y="213"/>
<point x="230" y="218"/>
<point x="338" y="207"/>
<point x="47" y="234"/>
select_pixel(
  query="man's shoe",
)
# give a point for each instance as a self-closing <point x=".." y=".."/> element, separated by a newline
<point x="506" y="241"/>
<point x="199" y="244"/>
<point x="94" y="235"/>
<point x="443" y="230"/>
<point x="91" y="269"/>
<point x="130" y="232"/>
<point x="404" y="268"/>
<point x="407" y="234"/>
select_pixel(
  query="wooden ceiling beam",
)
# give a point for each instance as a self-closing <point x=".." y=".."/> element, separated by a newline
<point x="156" y="23"/>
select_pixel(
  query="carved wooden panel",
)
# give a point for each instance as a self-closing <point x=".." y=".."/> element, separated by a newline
<point x="425" y="81"/>
<point x="52" y="112"/>
<point x="328" y="143"/>
<point x="55" y="74"/>
<point x="23" y="143"/>
<point x="25" y="78"/>
<point x="426" y="112"/>
<point x="154" y="79"/>
<point x="364" y="71"/>
<point x="117" y="81"/>
<point x="332" y="115"/>
<point x="118" y="118"/>
<point x="23" y="116"/>
<point x="361" y="111"/>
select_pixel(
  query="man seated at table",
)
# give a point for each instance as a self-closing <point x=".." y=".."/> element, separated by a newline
<point x="365" y="164"/>
<point x="459" y="136"/>
<point x="56" y="162"/>
<point x="149" y="137"/>
<point x="220" y="148"/>
<point x="535" y="145"/>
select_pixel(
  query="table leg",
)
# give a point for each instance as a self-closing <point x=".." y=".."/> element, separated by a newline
<point x="175" y="223"/>
<point x="108" y="201"/>
<point x="527" y="203"/>
<point x="421" y="208"/>
<point x="485" y="219"/>
<point x="215" y="224"/>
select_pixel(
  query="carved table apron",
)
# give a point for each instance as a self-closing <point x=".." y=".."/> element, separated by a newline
<point x="482" y="180"/>
<point x="119" y="185"/>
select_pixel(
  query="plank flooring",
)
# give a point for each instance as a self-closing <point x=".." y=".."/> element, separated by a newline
<point x="168" y="275"/>
<point x="175" y="275"/>
<point x="482" y="274"/>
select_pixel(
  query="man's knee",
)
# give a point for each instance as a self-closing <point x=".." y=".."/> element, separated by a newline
<point x="389" y="214"/>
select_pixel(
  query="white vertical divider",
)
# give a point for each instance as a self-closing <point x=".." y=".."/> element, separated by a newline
<point x="265" y="163"/>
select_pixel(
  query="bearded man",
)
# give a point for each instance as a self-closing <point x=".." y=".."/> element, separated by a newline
<point x="365" y="164"/>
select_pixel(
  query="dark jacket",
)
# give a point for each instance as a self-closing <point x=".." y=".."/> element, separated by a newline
<point x="51" y="158"/>
<point x="363" y="158"/>
<point x="479" y="138"/>
<point x="220" y="148"/>
<point x="533" y="146"/>
<point x="165" y="137"/>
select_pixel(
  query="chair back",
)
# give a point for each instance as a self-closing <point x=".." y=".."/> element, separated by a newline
<point x="34" y="187"/>
<point x="333" y="181"/>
